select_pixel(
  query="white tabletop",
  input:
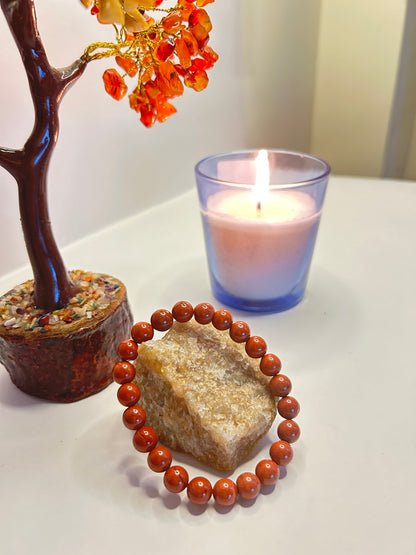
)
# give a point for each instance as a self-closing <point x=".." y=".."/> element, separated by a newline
<point x="71" y="482"/>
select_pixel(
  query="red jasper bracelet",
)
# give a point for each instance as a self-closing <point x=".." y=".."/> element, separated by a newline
<point x="176" y="478"/>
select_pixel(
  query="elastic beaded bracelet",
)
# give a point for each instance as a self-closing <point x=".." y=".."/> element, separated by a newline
<point x="176" y="478"/>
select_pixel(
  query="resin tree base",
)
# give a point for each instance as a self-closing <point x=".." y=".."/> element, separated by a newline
<point x="67" y="354"/>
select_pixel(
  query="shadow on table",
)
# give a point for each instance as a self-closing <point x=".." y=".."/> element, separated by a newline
<point x="11" y="396"/>
<point x="104" y="461"/>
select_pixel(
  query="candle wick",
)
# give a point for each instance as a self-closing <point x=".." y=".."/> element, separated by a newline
<point x="258" y="209"/>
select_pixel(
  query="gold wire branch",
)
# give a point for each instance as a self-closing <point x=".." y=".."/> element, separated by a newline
<point x="116" y="48"/>
<point x="111" y="49"/>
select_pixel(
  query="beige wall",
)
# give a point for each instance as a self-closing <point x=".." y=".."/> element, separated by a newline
<point x="319" y="76"/>
<point x="410" y="169"/>
<point x="279" y="50"/>
<point x="359" y="48"/>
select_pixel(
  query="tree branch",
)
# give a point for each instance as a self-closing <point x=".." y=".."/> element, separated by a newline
<point x="11" y="160"/>
<point x="68" y="75"/>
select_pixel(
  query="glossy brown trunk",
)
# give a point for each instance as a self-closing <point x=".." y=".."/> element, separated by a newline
<point x="29" y="166"/>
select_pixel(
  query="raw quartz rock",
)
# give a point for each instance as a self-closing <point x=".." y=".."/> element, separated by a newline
<point x="203" y="395"/>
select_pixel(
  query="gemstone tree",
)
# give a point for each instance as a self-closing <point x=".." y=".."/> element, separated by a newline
<point x="160" y="48"/>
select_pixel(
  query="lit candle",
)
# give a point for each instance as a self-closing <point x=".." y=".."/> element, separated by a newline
<point x="260" y="239"/>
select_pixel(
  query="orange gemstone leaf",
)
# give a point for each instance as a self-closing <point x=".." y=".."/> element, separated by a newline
<point x="182" y="52"/>
<point x="128" y="64"/>
<point x="146" y="75"/>
<point x="187" y="8"/>
<point x="210" y="56"/>
<point x="164" y="111"/>
<point x="173" y="21"/>
<point x="148" y="115"/>
<point x="165" y="49"/>
<point x="153" y="92"/>
<point x="167" y="79"/>
<point x="198" y="63"/>
<point x="190" y="42"/>
<point x="181" y="71"/>
<point x="200" y="17"/>
<point x="136" y="101"/>
<point x="197" y="80"/>
<point x="201" y="35"/>
<point x="114" y="84"/>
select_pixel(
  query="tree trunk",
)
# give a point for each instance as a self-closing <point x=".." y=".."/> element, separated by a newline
<point x="29" y="166"/>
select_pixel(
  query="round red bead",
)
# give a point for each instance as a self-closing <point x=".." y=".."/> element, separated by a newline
<point x="128" y="394"/>
<point x="183" y="311"/>
<point x="127" y="349"/>
<point x="248" y="485"/>
<point x="159" y="459"/>
<point x="142" y="331"/>
<point x="289" y="431"/>
<point x="239" y="332"/>
<point x="203" y="313"/>
<point x="281" y="452"/>
<point x="134" y="417"/>
<point x="267" y="472"/>
<point x="255" y="346"/>
<point x="222" y="320"/>
<point x="145" y="439"/>
<point x="176" y="479"/>
<point x="288" y="407"/>
<point x="199" y="490"/>
<point x="225" y="492"/>
<point x="161" y="320"/>
<point x="270" y="365"/>
<point x="280" y="386"/>
<point x="123" y="372"/>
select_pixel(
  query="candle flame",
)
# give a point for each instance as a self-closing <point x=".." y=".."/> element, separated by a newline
<point x="261" y="189"/>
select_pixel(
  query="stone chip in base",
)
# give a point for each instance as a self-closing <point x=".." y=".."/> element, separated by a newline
<point x="203" y="395"/>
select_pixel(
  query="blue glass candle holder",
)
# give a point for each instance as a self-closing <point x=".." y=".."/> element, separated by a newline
<point x="261" y="212"/>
